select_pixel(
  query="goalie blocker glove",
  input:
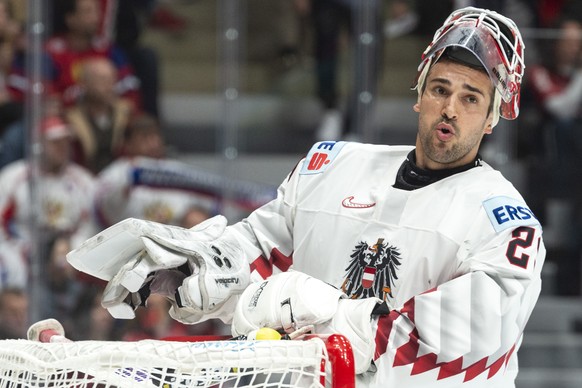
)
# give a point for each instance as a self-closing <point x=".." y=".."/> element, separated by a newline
<point x="200" y="270"/>
<point x="292" y="300"/>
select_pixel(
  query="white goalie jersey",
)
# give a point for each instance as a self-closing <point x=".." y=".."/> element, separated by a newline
<point x="457" y="261"/>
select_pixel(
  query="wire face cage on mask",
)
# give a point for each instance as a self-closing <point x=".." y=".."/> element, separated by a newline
<point x="494" y="41"/>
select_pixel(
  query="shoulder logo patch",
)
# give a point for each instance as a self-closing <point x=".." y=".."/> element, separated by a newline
<point x="507" y="212"/>
<point x="320" y="156"/>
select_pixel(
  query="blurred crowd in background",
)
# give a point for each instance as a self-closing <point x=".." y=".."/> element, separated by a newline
<point x="101" y="124"/>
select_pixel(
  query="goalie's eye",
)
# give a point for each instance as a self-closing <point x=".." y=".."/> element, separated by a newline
<point x="218" y="261"/>
<point x="216" y="250"/>
<point x="227" y="262"/>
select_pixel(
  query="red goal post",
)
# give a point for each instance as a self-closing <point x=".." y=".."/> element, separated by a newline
<point x="315" y="361"/>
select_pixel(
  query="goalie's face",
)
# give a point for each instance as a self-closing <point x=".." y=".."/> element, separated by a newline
<point x="454" y="115"/>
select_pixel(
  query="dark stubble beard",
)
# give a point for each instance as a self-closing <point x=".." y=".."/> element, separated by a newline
<point x="449" y="152"/>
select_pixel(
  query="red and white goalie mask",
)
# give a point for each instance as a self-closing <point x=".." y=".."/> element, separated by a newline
<point x="495" y="44"/>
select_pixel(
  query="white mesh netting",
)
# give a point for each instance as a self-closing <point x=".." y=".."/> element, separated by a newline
<point x="163" y="364"/>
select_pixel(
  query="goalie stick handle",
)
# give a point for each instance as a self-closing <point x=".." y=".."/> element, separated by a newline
<point x="52" y="336"/>
<point x="47" y="331"/>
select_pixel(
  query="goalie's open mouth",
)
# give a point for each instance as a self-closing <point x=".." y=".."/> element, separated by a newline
<point x="445" y="131"/>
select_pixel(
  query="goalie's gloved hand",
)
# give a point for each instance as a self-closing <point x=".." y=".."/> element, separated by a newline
<point x="199" y="269"/>
<point x="218" y="274"/>
<point x="292" y="300"/>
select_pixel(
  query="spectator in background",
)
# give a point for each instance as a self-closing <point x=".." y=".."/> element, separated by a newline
<point x="123" y="24"/>
<point x="13" y="313"/>
<point x="556" y="141"/>
<point x="151" y="13"/>
<point x="64" y="201"/>
<point x="11" y="136"/>
<point x="75" y="40"/>
<point x="99" y="115"/>
<point x="121" y="191"/>
<point x="14" y="139"/>
<point x="10" y="32"/>
<point x="332" y="18"/>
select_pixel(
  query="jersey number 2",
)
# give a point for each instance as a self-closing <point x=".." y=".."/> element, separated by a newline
<point x="522" y="238"/>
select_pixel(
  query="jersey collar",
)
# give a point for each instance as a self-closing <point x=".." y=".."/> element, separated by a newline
<point x="412" y="177"/>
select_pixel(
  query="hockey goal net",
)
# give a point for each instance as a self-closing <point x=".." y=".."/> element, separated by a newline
<point x="312" y="362"/>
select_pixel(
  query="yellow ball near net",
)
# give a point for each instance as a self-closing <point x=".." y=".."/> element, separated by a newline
<point x="265" y="333"/>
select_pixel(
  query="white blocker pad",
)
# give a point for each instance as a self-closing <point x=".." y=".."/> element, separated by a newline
<point x="104" y="254"/>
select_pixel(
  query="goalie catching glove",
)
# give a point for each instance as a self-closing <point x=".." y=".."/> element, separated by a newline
<point x="200" y="270"/>
<point x="292" y="300"/>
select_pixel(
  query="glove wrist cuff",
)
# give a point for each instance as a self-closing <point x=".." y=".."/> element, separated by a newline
<point x="353" y="319"/>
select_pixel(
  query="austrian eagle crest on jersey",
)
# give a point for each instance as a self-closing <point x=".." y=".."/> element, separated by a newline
<point x="372" y="270"/>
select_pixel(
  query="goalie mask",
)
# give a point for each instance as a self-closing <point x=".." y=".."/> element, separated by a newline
<point x="484" y="39"/>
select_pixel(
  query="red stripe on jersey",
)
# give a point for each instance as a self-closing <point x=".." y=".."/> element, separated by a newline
<point x="385" y="323"/>
<point x="509" y="354"/>
<point x="424" y="364"/>
<point x="408" y="353"/>
<point x="476" y="369"/>
<point x="451" y="368"/>
<point x="494" y="368"/>
<point x="277" y="259"/>
<point x="408" y="309"/>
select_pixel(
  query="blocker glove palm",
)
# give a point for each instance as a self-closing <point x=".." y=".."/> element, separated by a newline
<point x="198" y="269"/>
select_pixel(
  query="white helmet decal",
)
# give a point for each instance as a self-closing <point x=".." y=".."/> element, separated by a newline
<point x="494" y="40"/>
